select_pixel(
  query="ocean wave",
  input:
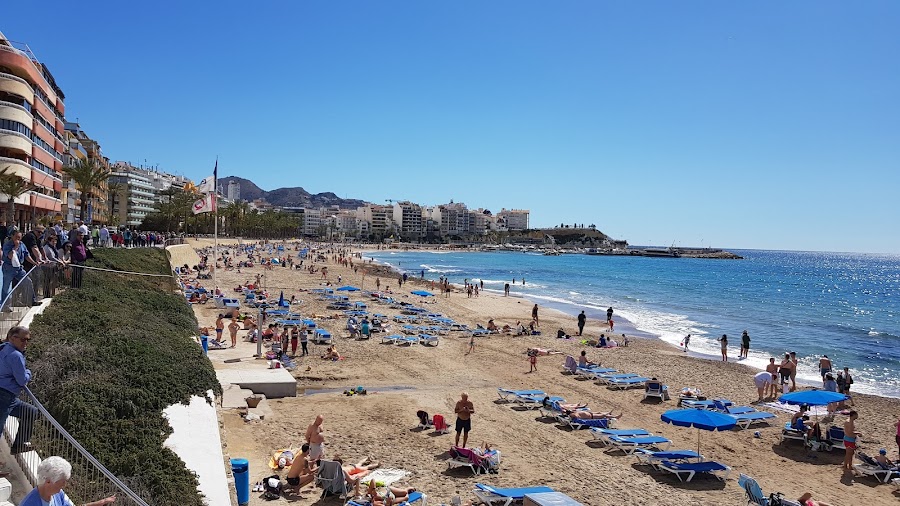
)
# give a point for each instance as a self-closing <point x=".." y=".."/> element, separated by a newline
<point x="440" y="269"/>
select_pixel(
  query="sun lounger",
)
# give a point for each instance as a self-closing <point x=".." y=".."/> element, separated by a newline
<point x="322" y="336"/>
<point x="755" y="496"/>
<point x="593" y="371"/>
<point x="607" y="377"/>
<point x="391" y="338"/>
<point x="407" y="340"/>
<point x="653" y="458"/>
<point x="413" y="497"/>
<point x="535" y="401"/>
<point x="835" y="437"/>
<point x="478" y="463"/>
<point x="745" y="420"/>
<point x="788" y="432"/>
<point x="586" y="423"/>
<point x="698" y="404"/>
<point x="685" y="471"/>
<point x="657" y="389"/>
<point x="505" y="496"/>
<point x="726" y="406"/>
<point x="871" y="467"/>
<point x="603" y="435"/>
<point x="630" y="444"/>
<point x="624" y="383"/>
<point x="505" y="393"/>
<point x="429" y="339"/>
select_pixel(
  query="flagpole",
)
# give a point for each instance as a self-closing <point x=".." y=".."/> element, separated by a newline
<point x="215" y="197"/>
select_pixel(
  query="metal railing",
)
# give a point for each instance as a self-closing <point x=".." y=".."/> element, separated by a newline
<point x="90" y="481"/>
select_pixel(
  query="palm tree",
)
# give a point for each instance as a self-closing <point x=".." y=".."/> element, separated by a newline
<point x="88" y="176"/>
<point x="113" y="190"/>
<point x="13" y="186"/>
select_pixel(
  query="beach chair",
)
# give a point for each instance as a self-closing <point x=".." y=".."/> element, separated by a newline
<point x="586" y="423"/>
<point x="429" y="339"/>
<point x="407" y="340"/>
<point x="835" y="437"/>
<point x="756" y="497"/>
<point x="625" y="383"/>
<point x="698" y="404"/>
<point x="322" y="336"/>
<point x="629" y="445"/>
<point x="570" y="365"/>
<point x="685" y="471"/>
<point x="391" y="338"/>
<point x="605" y="378"/>
<point x="603" y="435"/>
<point x="506" y="393"/>
<point x="745" y="420"/>
<point x="657" y="389"/>
<point x="330" y="477"/>
<point x="535" y="401"/>
<point x="652" y="458"/>
<point x="726" y="406"/>
<point x="478" y="463"/>
<point x="790" y="433"/>
<point x="505" y="496"/>
<point x="871" y="467"/>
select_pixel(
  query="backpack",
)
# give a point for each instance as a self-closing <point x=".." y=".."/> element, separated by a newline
<point x="272" y="491"/>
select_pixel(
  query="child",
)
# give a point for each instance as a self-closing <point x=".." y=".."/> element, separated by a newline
<point x="532" y="360"/>
<point x="471" y="344"/>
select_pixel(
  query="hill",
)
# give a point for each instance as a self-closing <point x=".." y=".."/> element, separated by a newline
<point x="290" y="197"/>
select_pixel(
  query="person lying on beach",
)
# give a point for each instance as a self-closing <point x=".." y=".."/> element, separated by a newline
<point x="543" y="352"/>
<point x="354" y="472"/>
<point x="565" y="407"/>
<point x="387" y="496"/>
<point x="807" y="500"/>
<point x="590" y="415"/>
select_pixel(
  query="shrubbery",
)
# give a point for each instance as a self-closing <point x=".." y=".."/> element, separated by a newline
<point x="109" y="357"/>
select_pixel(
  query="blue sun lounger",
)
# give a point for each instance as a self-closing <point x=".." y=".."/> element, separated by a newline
<point x="607" y="377"/>
<point x="623" y="383"/>
<point x="697" y="404"/>
<point x="429" y="339"/>
<point x="407" y="340"/>
<point x="535" y="401"/>
<point x="653" y="458"/>
<point x="413" y="497"/>
<point x="603" y="435"/>
<point x="593" y="371"/>
<point x="745" y="420"/>
<point x="631" y="444"/>
<point x="322" y="336"/>
<point x="391" y="338"/>
<point x="685" y="471"/>
<point x="505" y="393"/>
<point x="505" y="496"/>
<point x="586" y="423"/>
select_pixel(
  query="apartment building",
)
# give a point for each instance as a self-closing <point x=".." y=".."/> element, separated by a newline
<point x="409" y="219"/>
<point x="516" y="219"/>
<point x="98" y="208"/>
<point x="133" y="197"/>
<point x="32" y="131"/>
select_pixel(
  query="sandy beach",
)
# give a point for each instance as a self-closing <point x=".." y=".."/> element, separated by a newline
<point x="535" y="450"/>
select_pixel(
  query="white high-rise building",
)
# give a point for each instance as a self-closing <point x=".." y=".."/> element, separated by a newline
<point x="234" y="191"/>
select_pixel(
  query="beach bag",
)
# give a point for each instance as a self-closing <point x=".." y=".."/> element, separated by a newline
<point x="272" y="488"/>
<point x="440" y="424"/>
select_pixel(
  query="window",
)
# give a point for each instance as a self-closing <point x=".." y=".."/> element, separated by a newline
<point x="15" y="126"/>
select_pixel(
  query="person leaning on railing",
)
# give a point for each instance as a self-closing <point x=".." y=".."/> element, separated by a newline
<point x="52" y="475"/>
<point x="14" y="255"/>
<point x="13" y="378"/>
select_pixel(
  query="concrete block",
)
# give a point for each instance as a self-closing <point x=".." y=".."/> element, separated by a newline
<point x="273" y="383"/>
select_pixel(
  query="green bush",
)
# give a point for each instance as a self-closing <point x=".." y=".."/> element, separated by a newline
<point x="109" y="357"/>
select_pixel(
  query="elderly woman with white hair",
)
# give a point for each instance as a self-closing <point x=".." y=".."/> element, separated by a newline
<point x="52" y="475"/>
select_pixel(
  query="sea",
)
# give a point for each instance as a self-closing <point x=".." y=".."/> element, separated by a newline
<point x="844" y="305"/>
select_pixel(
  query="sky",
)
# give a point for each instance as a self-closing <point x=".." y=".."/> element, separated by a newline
<point x="759" y="125"/>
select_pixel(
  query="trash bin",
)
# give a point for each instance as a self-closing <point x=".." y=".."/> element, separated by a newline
<point x="204" y="341"/>
<point x="241" y="470"/>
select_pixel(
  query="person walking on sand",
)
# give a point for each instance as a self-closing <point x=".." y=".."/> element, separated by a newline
<point x="506" y="290"/>
<point x="824" y="366"/>
<point x="220" y="327"/>
<point x="848" y="380"/>
<point x="850" y="436"/>
<point x="582" y="319"/>
<point x="609" y="313"/>
<point x="685" y="342"/>
<point x="304" y="342"/>
<point x="745" y="344"/>
<point x="233" y="329"/>
<point x="471" y="344"/>
<point x="464" y="411"/>
<point x="534" y="315"/>
<point x="723" y="341"/>
<point x="532" y="361"/>
<point x="611" y="324"/>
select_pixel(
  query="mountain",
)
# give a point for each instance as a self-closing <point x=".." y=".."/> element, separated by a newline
<point x="289" y="197"/>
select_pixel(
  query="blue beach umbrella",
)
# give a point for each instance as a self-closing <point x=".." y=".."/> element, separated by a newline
<point x="701" y="419"/>
<point x="348" y="288"/>
<point x="813" y="397"/>
<point x="422" y="293"/>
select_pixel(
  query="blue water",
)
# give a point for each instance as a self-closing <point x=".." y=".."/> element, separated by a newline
<point x="845" y="305"/>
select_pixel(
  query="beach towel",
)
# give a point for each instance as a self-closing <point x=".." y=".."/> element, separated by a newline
<point x="384" y="477"/>
<point x="790" y="408"/>
<point x="570" y="364"/>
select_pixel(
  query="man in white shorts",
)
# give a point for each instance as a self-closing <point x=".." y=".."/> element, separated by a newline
<point x="764" y="381"/>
